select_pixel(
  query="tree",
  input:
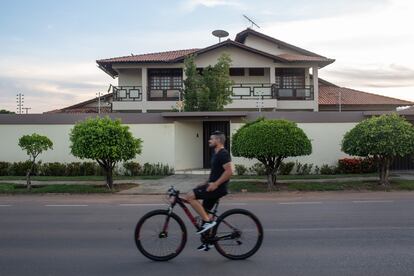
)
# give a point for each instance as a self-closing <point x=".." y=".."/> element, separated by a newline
<point x="209" y="91"/>
<point x="105" y="140"/>
<point x="381" y="138"/>
<point x="34" y="145"/>
<point x="4" y="111"/>
<point x="270" y="141"/>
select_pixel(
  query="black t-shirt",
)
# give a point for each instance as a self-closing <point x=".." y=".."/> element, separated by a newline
<point x="217" y="161"/>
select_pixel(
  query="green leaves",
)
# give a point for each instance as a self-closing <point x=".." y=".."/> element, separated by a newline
<point x="35" y="144"/>
<point x="209" y="91"/>
<point x="104" y="139"/>
<point x="270" y="138"/>
<point x="386" y="136"/>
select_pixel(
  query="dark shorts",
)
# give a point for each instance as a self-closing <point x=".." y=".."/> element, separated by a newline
<point x="209" y="198"/>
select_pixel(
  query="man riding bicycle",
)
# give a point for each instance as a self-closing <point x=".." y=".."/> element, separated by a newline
<point x="216" y="186"/>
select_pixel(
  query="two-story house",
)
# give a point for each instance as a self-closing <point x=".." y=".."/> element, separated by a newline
<point x="267" y="73"/>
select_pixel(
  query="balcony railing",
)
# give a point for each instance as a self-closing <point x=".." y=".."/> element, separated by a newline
<point x="245" y="91"/>
<point x="240" y="91"/>
<point x="162" y="94"/>
<point x="252" y="91"/>
<point x="127" y="93"/>
<point x="294" y="93"/>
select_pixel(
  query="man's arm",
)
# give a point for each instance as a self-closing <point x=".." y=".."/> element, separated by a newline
<point x="228" y="172"/>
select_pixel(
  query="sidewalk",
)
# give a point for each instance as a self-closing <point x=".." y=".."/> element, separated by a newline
<point x="185" y="182"/>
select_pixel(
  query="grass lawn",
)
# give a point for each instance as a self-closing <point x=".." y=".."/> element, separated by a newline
<point x="308" y="176"/>
<point x="254" y="187"/>
<point x="80" y="178"/>
<point x="6" y="188"/>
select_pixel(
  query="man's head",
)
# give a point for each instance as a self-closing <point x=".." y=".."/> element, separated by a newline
<point x="217" y="139"/>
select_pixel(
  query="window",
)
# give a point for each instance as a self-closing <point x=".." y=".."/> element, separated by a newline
<point x="236" y="72"/>
<point x="290" y="77"/>
<point x="256" y="72"/>
<point x="163" y="79"/>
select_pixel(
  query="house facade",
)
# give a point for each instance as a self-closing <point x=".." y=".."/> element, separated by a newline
<point x="267" y="73"/>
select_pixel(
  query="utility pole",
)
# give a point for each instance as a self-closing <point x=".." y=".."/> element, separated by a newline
<point x="19" y="100"/>
<point x="99" y="94"/>
<point x="27" y="109"/>
<point x="339" y="100"/>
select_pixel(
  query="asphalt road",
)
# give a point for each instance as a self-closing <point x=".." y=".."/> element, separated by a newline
<point x="316" y="234"/>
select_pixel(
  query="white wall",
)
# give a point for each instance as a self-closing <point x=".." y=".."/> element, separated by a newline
<point x="175" y="144"/>
<point x="188" y="145"/>
<point x="158" y="142"/>
<point x="130" y="77"/>
<point x="267" y="46"/>
<point x="326" y="143"/>
<point x="239" y="57"/>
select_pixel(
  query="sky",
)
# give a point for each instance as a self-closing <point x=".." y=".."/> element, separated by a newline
<point x="48" y="49"/>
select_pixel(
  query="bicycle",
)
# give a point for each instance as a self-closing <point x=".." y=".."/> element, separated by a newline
<point x="161" y="235"/>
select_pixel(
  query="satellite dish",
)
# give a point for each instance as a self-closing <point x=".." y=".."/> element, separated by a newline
<point x="220" y="34"/>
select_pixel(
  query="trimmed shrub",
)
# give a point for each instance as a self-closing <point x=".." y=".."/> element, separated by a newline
<point x="258" y="169"/>
<point x="356" y="165"/>
<point x="21" y="168"/>
<point x="326" y="169"/>
<point x="286" y="168"/>
<point x="4" y="168"/>
<point x="53" y="169"/>
<point x="156" y="169"/>
<point x="303" y="169"/>
<point x="73" y="169"/>
<point x="240" y="169"/>
<point x="132" y="168"/>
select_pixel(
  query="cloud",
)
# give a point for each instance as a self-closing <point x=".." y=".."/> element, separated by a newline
<point x="191" y="5"/>
<point x="49" y="85"/>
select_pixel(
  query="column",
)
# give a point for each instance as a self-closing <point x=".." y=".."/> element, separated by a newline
<point x="144" y="83"/>
<point x="315" y="88"/>
<point x="272" y="75"/>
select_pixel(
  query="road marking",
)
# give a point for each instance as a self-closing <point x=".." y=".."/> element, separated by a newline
<point x="5" y="205"/>
<point x="66" y="205"/>
<point x="340" y="229"/>
<point x="372" y="201"/>
<point x="300" y="202"/>
<point x="142" y="204"/>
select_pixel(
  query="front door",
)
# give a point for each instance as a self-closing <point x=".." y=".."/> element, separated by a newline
<point x="208" y="128"/>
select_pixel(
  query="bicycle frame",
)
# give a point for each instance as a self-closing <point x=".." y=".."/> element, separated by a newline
<point x="176" y="199"/>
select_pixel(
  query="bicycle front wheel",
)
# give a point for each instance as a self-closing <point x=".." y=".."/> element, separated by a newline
<point x="238" y="234"/>
<point x="160" y="236"/>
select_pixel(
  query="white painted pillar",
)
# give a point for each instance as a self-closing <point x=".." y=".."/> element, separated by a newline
<point x="272" y="75"/>
<point x="307" y="78"/>
<point x="315" y="88"/>
<point x="144" y="83"/>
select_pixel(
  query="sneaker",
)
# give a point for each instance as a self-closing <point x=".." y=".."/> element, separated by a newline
<point x="203" y="247"/>
<point x="206" y="226"/>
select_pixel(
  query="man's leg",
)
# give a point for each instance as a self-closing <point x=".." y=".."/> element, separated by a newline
<point x="190" y="197"/>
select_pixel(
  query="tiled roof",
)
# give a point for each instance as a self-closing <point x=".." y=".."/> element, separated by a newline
<point x="292" y="57"/>
<point x="104" y="109"/>
<point x="167" y="56"/>
<point x="329" y="95"/>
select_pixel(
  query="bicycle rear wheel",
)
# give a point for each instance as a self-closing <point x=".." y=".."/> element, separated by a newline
<point x="238" y="234"/>
<point x="160" y="236"/>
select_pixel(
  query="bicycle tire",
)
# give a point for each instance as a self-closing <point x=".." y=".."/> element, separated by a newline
<point x="257" y="223"/>
<point x="137" y="235"/>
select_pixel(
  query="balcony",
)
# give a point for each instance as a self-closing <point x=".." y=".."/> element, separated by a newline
<point x="127" y="93"/>
<point x="249" y="91"/>
<point x="162" y="94"/>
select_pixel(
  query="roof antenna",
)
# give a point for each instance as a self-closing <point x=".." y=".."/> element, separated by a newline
<point x="220" y="34"/>
<point x="251" y="21"/>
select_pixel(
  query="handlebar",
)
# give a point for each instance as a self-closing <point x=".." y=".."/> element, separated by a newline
<point x="172" y="191"/>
